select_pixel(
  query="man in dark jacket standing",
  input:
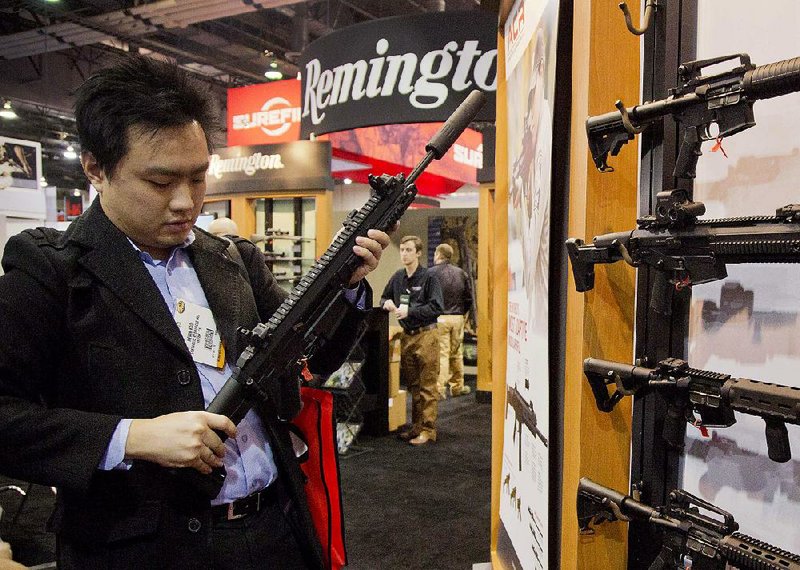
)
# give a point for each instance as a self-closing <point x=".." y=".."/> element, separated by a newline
<point x="416" y="299"/>
<point x="103" y="392"/>
<point x="456" y="289"/>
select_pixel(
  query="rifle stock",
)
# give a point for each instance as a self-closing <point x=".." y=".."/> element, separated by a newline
<point x="690" y="527"/>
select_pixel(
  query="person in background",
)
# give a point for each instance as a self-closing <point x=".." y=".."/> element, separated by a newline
<point x="415" y="297"/>
<point x="103" y="387"/>
<point x="223" y="227"/>
<point x="456" y="287"/>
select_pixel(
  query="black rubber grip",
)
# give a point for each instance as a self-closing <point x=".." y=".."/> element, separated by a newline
<point x="773" y="79"/>
<point x="456" y="124"/>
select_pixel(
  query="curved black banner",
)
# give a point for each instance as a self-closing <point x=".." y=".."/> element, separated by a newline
<point x="409" y="69"/>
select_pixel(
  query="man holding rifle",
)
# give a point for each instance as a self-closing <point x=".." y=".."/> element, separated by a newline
<point x="102" y="385"/>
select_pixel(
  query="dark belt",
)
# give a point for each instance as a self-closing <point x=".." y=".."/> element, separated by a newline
<point x="412" y="332"/>
<point x="248" y="505"/>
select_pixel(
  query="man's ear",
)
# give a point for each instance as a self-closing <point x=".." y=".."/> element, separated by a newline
<point x="94" y="173"/>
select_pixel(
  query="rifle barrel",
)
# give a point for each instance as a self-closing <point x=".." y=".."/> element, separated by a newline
<point x="773" y="79"/>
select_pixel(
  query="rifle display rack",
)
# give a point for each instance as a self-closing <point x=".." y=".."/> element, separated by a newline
<point x="287" y="240"/>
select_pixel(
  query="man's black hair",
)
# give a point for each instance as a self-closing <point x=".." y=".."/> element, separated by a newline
<point x="143" y="93"/>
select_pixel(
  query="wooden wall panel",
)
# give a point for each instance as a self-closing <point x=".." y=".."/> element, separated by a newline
<point x="606" y="64"/>
<point x="485" y="285"/>
<point x="499" y="299"/>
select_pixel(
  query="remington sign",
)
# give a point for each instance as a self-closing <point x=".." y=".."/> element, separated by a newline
<point x="398" y="70"/>
<point x="296" y="165"/>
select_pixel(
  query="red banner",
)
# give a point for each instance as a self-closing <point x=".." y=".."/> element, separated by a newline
<point x="266" y="113"/>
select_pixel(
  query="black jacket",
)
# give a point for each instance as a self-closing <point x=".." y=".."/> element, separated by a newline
<point x="86" y="340"/>
<point x="456" y="288"/>
<point x="425" y="297"/>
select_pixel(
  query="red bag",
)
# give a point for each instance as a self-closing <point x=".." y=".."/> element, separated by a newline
<point x="323" y="492"/>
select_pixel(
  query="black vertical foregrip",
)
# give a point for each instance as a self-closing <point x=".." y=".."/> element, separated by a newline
<point x="777" y="435"/>
<point x="456" y="124"/>
<point x="773" y="79"/>
<point x="775" y="403"/>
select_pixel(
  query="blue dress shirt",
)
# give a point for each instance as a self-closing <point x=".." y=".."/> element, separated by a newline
<point x="248" y="457"/>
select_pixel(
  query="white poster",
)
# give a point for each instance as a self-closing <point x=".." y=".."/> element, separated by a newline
<point x="748" y="325"/>
<point x="530" y="36"/>
<point x="20" y="172"/>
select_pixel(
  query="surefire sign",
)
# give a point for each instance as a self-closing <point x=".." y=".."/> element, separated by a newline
<point x="264" y="114"/>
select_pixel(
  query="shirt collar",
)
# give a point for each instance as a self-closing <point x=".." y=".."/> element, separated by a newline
<point x="147" y="258"/>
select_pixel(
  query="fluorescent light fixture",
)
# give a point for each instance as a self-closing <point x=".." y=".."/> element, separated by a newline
<point x="7" y="112"/>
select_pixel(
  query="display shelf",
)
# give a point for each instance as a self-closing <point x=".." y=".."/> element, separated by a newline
<point x="258" y="238"/>
<point x="344" y="376"/>
<point x="348" y="392"/>
<point x="346" y="433"/>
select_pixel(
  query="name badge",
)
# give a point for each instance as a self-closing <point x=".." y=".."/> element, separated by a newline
<point x="199" y="332"/>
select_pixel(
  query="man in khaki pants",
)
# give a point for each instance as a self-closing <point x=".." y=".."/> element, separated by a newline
<point x="415" y="297"/>
<point x="456" y="289"/>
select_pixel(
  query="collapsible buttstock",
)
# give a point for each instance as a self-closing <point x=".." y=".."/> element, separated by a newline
<point x="582" y="268"/>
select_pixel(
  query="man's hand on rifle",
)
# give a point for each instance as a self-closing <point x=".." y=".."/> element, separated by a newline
<point x="181" y="439"/>
<point x="369" y="249"/>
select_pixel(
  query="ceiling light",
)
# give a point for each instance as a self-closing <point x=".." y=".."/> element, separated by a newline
<point x="274" y="64"/>
<point x="273" y="74"/>
<point x="347" y="181"/>
<point x="7" y="112"/>
<point x="43" y="180"/>
<point x="76" y="192"/>
<point x="70" y="153"/>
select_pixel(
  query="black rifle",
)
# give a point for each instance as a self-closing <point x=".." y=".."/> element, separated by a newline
<point x="714" y="396"/>
<point x="725" y="99"/>
<point x="711" y="542"/>
<point x="278" y="349"/>
<point x="523" y="414"/>
<point x="686" y="251"/>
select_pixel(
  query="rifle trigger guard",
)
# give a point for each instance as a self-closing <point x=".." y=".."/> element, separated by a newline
<point x="626" y="120"/>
